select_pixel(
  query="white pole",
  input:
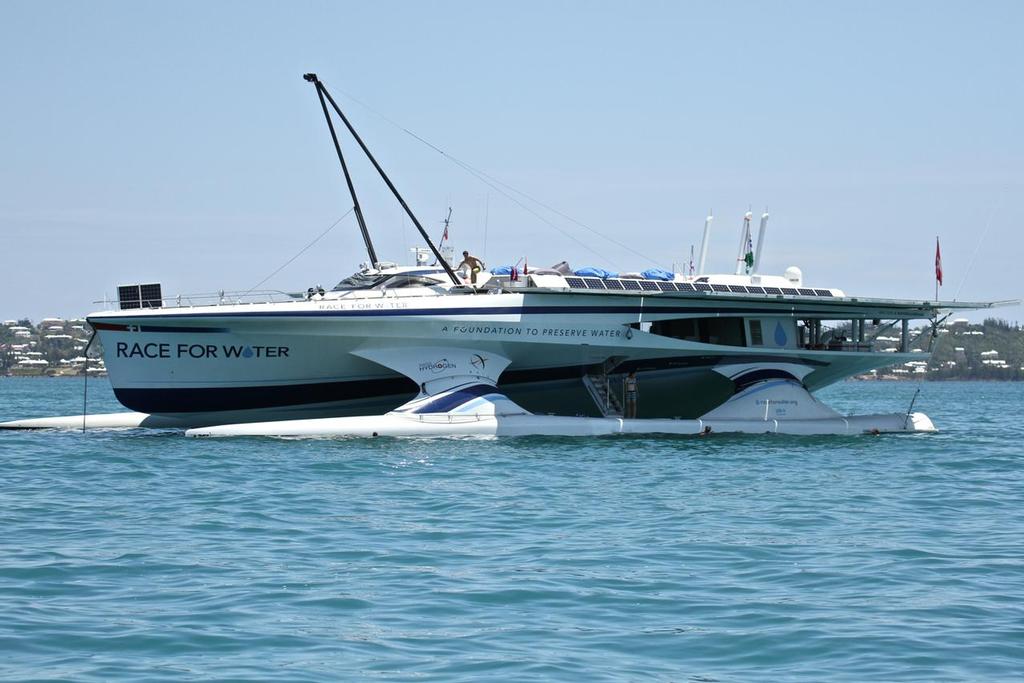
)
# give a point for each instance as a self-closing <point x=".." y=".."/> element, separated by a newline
<point x="704" y="243"/>
<point x="760" y="242"/>
<point x="743" y="242"/>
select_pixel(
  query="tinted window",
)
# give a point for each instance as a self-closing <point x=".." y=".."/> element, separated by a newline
<point x="725" y="331"/>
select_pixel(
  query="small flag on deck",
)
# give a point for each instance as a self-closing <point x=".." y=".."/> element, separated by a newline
<point x="938" y="262"/>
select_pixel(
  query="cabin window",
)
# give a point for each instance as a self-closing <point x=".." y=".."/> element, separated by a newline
<point x="359" y="281"/>
<point x="724" y="331"/>
<point x="756" y="338"/>
<point x="400" y="281"/>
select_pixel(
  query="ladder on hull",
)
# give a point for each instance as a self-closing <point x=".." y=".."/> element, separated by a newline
<point x="599" y="388"/>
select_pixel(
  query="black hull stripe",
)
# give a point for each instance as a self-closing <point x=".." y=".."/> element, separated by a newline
<point x="215" y="399"/>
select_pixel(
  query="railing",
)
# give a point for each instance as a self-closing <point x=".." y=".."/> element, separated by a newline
<point x="222" y="298"/>
<point x="839" y="346"/>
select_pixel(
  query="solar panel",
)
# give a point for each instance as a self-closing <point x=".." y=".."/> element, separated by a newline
<point x="755" y="290"/>
<point x="823" y="292"/>
<point x="685" y="287"/>
<point x="720" y="288"/>
<point x="667" y="286"/>
<point x="790" y="291"/>
<point x="772" y="290"/>
<point x="649" y="286"/>
<point x="630" y="284"/>
<point x="806" y="292"/>
<point x="594" y="283"/>
<point x="703" y="287"/>
<point x="151" y="296"/>
<point x="575" y="282"/>
<point x="613" y="284"/>
<point x="140" y="296"/>
<point x="128" y="296"/>
<point x="738" y="289"/>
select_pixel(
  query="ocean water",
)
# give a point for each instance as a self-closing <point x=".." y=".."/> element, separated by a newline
<point x="148" y="556"/>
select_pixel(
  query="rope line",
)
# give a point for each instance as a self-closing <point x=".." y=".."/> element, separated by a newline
<point x="492" y="182"/>
<point x="977" y="247"/>
<point x="301" y="251"/>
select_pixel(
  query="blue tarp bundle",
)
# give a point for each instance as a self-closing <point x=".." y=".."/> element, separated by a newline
<point x="657" y="274"/>
<point x="595" y="272"/>
<point x="501" y="270"/>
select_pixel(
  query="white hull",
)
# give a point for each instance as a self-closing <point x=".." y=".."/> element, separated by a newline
<point x="457" y="405"/>
<point x="551" y="425"/>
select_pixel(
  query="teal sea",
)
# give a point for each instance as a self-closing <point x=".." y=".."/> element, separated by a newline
<point x="140" y="555"/>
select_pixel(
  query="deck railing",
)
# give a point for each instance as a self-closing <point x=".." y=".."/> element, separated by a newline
<point x="222" y="298"/>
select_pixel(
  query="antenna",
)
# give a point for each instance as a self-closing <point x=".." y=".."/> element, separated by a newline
<point x="741" y="254"/>
<point x="704" y="242"/>
<point x="444" y="235"/>
<point x="760" y="241"/>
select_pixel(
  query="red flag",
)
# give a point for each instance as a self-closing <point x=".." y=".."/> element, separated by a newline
<point x="514" y="276"/>
<point x="526" y="267"/>
<point x="444" y="235"/>
<point x="938" y="262"/>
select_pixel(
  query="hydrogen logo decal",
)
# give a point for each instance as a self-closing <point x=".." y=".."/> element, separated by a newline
<point x="780" y="335"/>
<point x="437" y="366"/>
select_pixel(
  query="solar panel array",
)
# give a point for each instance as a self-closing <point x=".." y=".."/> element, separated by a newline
<point x="634" y="285"/>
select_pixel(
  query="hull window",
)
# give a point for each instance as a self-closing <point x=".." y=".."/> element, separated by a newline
<point x="723" y="331"/>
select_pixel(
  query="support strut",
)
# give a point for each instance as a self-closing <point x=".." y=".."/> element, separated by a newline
<point x="322" y="91"/>
<point x="348" y="178"/>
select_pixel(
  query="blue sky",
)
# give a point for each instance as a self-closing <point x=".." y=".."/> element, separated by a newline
<point x="177" y="142"/>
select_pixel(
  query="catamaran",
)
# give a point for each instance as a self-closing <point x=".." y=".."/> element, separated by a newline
<point x="419" y="350"/>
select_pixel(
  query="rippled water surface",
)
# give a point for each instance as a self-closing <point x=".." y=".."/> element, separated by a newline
<point x="148" y="556"/>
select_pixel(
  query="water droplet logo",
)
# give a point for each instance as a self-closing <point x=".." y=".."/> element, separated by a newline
<point x="247" y="352"/>
<point x="780" y="335"/>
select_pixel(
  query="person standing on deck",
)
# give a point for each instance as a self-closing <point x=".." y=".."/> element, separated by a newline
<point x="630" y="389"/>
<point x="474" y="265"/>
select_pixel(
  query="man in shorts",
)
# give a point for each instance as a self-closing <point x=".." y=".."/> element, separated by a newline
<point x="472" y="263"/>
